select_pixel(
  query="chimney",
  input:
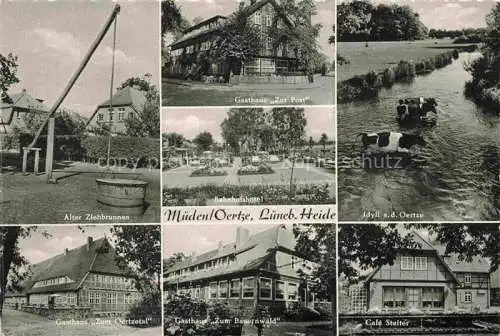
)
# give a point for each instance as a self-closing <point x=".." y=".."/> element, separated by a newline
<point x="193" y="256"/>
<point x="89" y="242"/>
<point x="24" y="90"/>
<point x="242" y="236"/>
<point x="219" y="250"/>
<point x="66" y="251"/>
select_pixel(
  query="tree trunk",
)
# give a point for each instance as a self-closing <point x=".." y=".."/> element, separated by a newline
<point x="9" y="246"/>
<point x="291" y="173"/>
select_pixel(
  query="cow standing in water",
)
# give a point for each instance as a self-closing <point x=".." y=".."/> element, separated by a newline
<point x="390" y="142"/>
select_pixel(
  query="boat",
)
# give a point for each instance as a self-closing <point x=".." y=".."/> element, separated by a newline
<point x="417" y="111"/>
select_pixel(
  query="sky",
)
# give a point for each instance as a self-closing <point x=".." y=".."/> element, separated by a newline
<point x="208" y="8"/>
<point x="203" y="238"/>
<point x="50" y="39"/>
<point x="191" y="121"/>
<point x="449" y="14"/>
<point x="37" y="248"/>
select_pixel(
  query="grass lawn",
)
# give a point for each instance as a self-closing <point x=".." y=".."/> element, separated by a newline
<point x="319" y="93"/>
<point x="17" y="323"/>
<point x="30" y="200"/>
<point x="380" y="55"/>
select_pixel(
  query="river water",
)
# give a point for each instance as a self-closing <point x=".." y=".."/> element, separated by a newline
<point x="458" y="165"/>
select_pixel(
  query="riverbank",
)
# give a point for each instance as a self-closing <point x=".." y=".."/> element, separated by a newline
<point x="377" y="65"/>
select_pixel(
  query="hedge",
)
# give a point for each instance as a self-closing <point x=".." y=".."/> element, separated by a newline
<point x="143" y="151"/>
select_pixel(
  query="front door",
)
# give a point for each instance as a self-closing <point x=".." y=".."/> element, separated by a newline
<point x="413" y="297"/>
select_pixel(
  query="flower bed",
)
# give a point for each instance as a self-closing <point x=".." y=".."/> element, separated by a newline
<point x="207" y="171"/>
<point x="255" y="170"/>
<point x="269" y="194"/>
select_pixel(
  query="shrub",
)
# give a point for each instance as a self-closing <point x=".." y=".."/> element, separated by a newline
<point x="143" y="151"/>
<point x="388" y="77"/>
<point x="269" y="194"/>
<point x="255" y="170"/>
<point x="207" y="171"/>
<point x="429" y="64"/>
<point x="405" y="69"/>
<point x="148" y="309"/>
<point x="455" y="53"/>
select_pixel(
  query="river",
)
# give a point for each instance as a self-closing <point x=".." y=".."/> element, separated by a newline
<point x="461" y="157"/>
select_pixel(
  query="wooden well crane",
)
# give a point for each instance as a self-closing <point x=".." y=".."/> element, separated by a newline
<point x="49" y="121"/>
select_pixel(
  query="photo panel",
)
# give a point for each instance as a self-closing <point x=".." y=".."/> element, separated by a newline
<point x="248" y="164"/>
<point x="418" y="106"/>
<point x="81" y="280"/>
<point x="249" y="279"/>
<point x="248" y="52"/>
<point x="80" y="112"/>
<point x="418" y="278"/>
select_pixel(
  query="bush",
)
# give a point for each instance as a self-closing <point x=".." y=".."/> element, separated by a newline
<point x="207" y="171"/>
<point x="405" y="69"/>
<point x="388" y="77"/>
<point x="269" y="194"/>
<point x="148" y="309"/>
<point x="143" y="151"/>
<point x="255" y="170"/>
<point x="199" y="318"/>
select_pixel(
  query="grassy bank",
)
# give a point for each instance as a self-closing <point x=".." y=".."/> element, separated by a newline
<point x="382" y="64"/>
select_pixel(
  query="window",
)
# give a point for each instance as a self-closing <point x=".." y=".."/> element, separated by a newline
<point x="269" y="20"/>
<point x="223" y="289"/>
<point x="468" y="297"/>
<point x="467" y="278"/>
<point x="393" y="297"/>
<point x="432" y="297"/>
<point x="406" y="263"/>
<point x="108" y="298"/>
<point x="294" y="261"/>
<point x="279" y="293"/>
<point x="266" y="288"/>
<point x="197" y="292"/>
<point x="269" y="43"/>
<point x="121" y="109"/>
<point x="120" y="115"/>
<point x="235" y="290"/>
<point x="213" y="290"/>
<point x="257" y="18"/>
<point x="248" y="288"/>
<point x="292" y="291"/>
<point x="110" y="116"/>
<point x="94" y="297"/>
<point x="421" y="263"/>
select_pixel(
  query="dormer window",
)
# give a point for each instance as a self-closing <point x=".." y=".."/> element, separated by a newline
<point x="406" y="263"/>
<point x="468" y="278"/>
<point x="420" y="263"/>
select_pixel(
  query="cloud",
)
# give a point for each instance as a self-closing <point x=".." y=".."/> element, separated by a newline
<point x="68" y="48"/>
<point x="191" y="125"/>
<point x="62" y="43"/>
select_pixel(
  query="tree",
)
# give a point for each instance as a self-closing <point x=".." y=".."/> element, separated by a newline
<point x="173" y="139"/>
<point x="240" y="127"/>
<point x="171" y="17"/>
<point x="237" y="42"/>
<point x="146" y="122"/>
<point x="311" y="142"/>
<point x="298" y="35"/>
<point x="172" y="260"/>
<point x="142" y="84"/>
<point x="140" y="247"/>
<point x="318" y="243"/>
<point x="8" y="75"/>
<point x="290" y="124"/>
<point x="364" y="247"/>
<point x="11" y="259"/>
<point x="322" y="140"/>
<point x="204" y="141"/>
<point x="353" y="20"/>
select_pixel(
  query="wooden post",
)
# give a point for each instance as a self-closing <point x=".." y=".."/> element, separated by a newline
<point x="25" y="159"/>
<point x="49" y="157"/>
<point x="37" y="160"/>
